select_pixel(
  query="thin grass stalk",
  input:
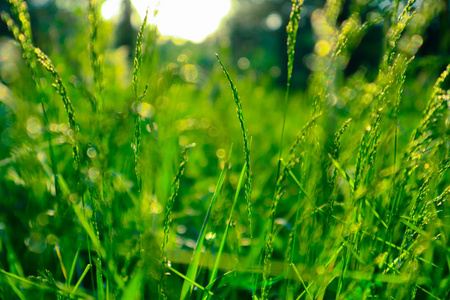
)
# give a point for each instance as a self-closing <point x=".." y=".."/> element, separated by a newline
<point x="335" y="156"/>
<point x="138" y="99"/>
<point x="168" y="216"/>
<point x="94" y="56"/>
<point x="290" y="252"/>
<point x="248" y="182"/>
<point x="45" y="61"/>
<point x="291" y="31"/>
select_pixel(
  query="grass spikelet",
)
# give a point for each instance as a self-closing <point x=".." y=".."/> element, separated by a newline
<point x="45" y="61"/>
<point x="137" y="99"/>
<point x="20" y="9"/>
<point x="335" y="156"/>
<point x="168" y="213"/>
<point x="332" y="10"/>
<point x="291" y="30"/>
<point x="94" y="56"/>
<point x="248" y="173"/>
<point x="397" y="29"/>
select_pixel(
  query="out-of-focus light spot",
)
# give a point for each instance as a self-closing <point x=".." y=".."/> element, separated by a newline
<point x="110" y="9"/>
<point x="61" y="140"/>
<point x="155" y="207"/>
<point x="182" y="58"/>
<point x="322" y="48"/>
<point x="414" y="44"/>
<point x="36" y="242"/>
<point x="243" y="63"/>
<point x="93" y="174"/>
<point x="181" y="229"/>
<point x="273" y="21"/>
<point x="368" y="128"/>
<point x="42" y="219"/>
<point x="275" y="71"/>
<point x="33" y="127"/>
<point x="191" y="20"/>
<point x="210" y="236"/>
<point x="190" y="243"/>
<point x="52" y="239"/>
<point x="221" y="153"/>
<point x="383" y="4"/>
<point x="310" y="62"/>
<point x="144" y="109"/>
<point x="91" y="152"/>
<point x="189" y="73"/>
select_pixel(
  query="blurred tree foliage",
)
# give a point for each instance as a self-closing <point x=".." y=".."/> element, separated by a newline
<point x="255" y="29"/>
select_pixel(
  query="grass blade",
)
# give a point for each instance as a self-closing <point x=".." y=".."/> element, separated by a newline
<point x="190" y="281"/>
<point x="88" y="267"/>
<point x="225" y="234"/>
<point x="193" y="266"/>
<point x="72" y="268"/>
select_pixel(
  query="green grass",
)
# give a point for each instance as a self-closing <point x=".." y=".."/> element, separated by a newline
<point x="104" y="195"/>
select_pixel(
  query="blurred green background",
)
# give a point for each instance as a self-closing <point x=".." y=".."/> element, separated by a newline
<point x="188" y="100"/>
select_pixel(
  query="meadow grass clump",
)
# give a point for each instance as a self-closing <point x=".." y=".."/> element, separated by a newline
<point x="356" y="208"/>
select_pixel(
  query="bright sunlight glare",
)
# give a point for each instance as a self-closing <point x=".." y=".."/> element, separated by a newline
<point x="192" y="20"/>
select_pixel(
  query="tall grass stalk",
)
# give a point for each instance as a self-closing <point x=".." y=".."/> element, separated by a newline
<point x="137" y="100"/>
<point x="248" y="172"/>
<point x="45" y="61"/>
<point x="94" y="56"/>
<point x="168" y="216"/>
<point x="291" y="31"/>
